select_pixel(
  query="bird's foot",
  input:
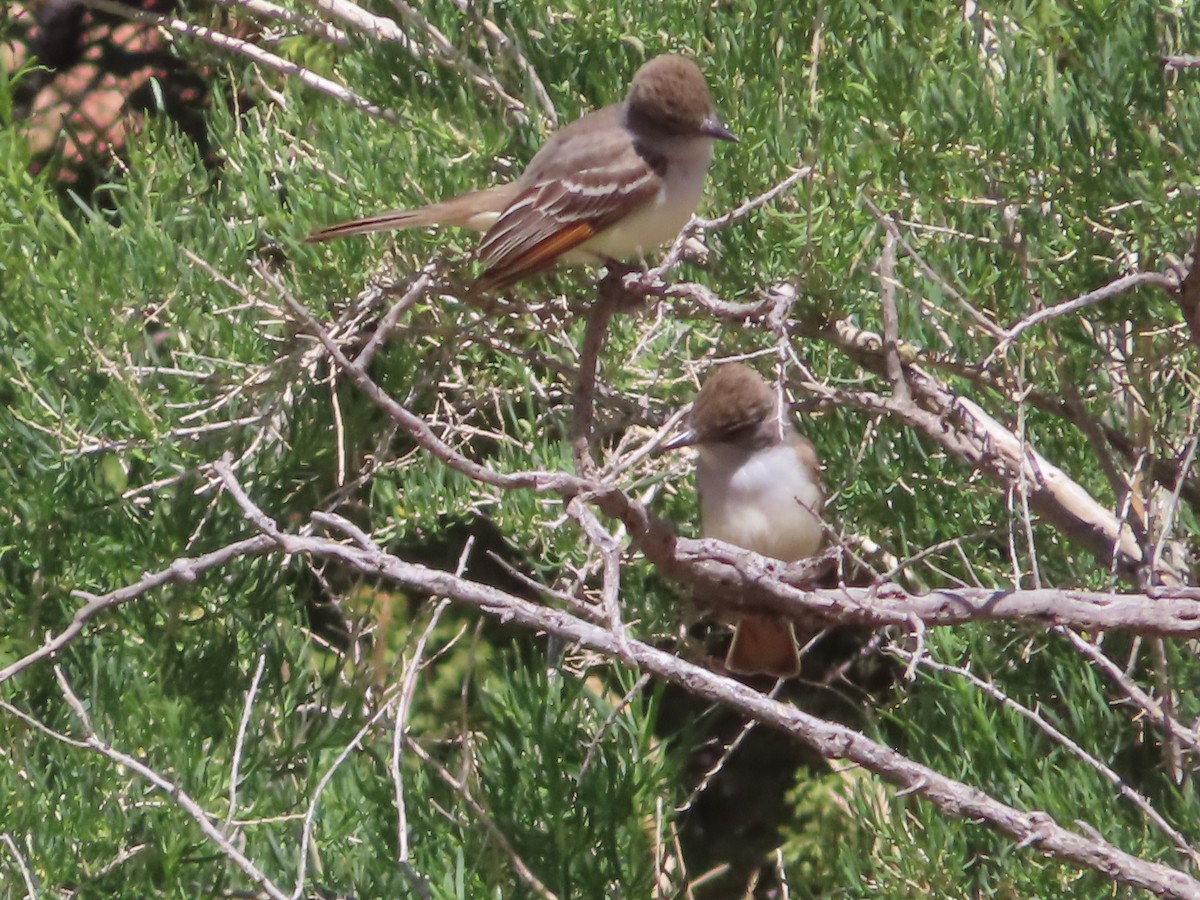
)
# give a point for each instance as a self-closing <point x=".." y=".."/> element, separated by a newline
<point x="625" y="294"/>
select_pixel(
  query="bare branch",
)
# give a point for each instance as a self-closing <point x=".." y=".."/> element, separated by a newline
<point x="31" y="888"/>
<point x="751" y="582"/>
<point x="891" y="319"/>
<point x="481" y="815"/>
<point x="977" y="439"/>
<point x="250" y="51"/>
<point x="1092" y="298"/>
<point x="595" y="336"/>
<point x="831" y="740"/>
<point x="240" y="742"/>
<point x="1137" y="799"/>
<point x="385" y="29"/>
<point x="272" y="12"/>
<point x="181" y="571"/>
<point x="1181" y="62"/>
<point x="178" y="795"/>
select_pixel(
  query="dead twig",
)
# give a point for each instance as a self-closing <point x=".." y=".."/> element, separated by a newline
<point x="248" y="50"/>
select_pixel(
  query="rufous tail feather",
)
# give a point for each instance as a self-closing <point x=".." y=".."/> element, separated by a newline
<point x="763" y="645"/>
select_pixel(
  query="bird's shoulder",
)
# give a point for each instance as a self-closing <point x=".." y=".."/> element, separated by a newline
<point x="597" y="144"/>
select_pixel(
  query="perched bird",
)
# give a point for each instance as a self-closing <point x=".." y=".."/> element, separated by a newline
<point x="617" y="183"/>
<point x="759" y="486"/>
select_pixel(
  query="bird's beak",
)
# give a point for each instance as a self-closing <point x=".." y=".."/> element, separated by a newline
<point x="713" y="127"/>
<point x="685" y="438"/>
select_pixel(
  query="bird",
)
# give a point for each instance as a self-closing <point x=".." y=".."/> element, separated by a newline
<point x="759" y="484"/>
<point x="617" y="183"/>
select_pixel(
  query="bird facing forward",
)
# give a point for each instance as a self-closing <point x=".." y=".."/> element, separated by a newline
<point x="759" y="486"/>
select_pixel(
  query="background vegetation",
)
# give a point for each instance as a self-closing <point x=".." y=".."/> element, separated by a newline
<point x="1024" y="153"/>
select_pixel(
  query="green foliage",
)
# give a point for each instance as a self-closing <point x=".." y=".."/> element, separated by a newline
<point x="563" y="769"/>
<point x="1038" y="150"/>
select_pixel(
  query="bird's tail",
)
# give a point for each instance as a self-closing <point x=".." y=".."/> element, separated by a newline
<point x="763" y="645"/>
<point x="477" y="210"/>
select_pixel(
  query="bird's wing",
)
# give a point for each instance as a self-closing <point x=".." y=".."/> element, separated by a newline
<point x="591" y="183"/>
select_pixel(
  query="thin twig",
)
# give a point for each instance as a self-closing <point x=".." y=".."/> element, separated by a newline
<point x="400" y="730"/>
<point x="250" y="51"/>
<point x="177" y="794"/>
<point x="264" y="9"/>
<point x="1058" y="737"/>
<point x="31" y="888"/>
<point x="416" y="292"/>
<point x="610" y="554"/>
<point x="509" y="48"/>
<point x="891" y="319"/>
<point x="748" y="206"/>
<point x="610" y="720"/>
<point x="383" y="28"/>
<point x="890" y="227"/>
<point x="723" y="759"/>
<point x="407" y="692"/>
<point x="481" y="815"/>
<point x="1092" y="298"/>
<point x="310" y="814"/>
<point x="181" y="571"/>
<point x="1168" y="516"/>
<point x="240" y="742"/>
<point x="1148" y="706"/>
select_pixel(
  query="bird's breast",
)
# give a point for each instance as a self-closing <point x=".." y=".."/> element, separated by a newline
<point x="766" y="502"/>
<point x="658" y="222"/>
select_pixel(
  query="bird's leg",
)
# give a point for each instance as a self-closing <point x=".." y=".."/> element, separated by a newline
<point x="614" y="290"/>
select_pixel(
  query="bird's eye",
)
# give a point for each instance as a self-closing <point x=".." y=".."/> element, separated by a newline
<point x="732" y="431"/>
